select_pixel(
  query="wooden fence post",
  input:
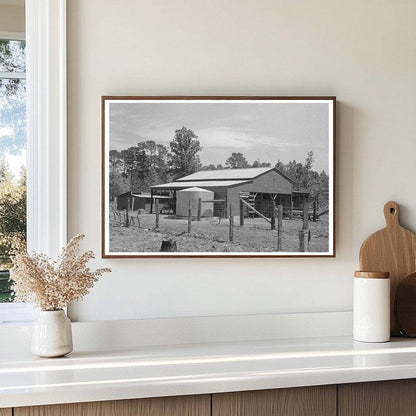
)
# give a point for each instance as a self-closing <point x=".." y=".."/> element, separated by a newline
<point x="303" y="237"/>
<point x="305" y="216"/>
<point x="231" y="223"/>
<point x="279" y="227"/>
<point x="220" y="212"/>
<point x="314" y="210"/>
<point x="291" y="208"/>
<point x="241" y="213"/>
<point x="199" y="209"/>
<point x="157" y="212"/>
<point x="189" y="217"/>
<point x="273" y="217"/>
<point x="127" y="212"/>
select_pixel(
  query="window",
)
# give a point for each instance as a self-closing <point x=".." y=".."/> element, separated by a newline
<point x="12" y="154"/>
<point x="45" y="89"/>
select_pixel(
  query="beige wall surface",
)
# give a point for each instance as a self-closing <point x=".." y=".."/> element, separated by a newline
<point x="361" y="51"/>
<point x="12" y="18"/>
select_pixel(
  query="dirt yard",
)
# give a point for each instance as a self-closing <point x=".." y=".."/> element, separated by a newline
<point x="210" y="235"/>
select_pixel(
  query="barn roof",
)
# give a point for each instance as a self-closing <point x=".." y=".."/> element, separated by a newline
<point x="301" y="192"/>
<point x="230" y="174"/>
<point x="129" y="194"/>
<point x="195" y="189"/>
<point x="148" y="196"/>
<point x="201" y="184"/>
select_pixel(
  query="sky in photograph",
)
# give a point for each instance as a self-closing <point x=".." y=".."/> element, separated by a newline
<point x="266" y="132"/>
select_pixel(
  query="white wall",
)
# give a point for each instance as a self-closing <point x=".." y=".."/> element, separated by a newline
<point x="361" y="51"/>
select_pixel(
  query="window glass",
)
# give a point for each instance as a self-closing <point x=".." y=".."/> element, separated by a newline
<point x="12" y="156"/>
<point x="12" y="56"/>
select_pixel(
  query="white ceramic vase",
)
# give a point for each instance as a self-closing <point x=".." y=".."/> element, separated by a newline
<point x="52" y="334"/>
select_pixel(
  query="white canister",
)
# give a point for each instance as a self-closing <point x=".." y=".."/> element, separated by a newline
<point x="371" y="307"/>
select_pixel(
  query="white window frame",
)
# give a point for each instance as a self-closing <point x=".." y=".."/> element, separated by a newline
<point x="46" y="128"/>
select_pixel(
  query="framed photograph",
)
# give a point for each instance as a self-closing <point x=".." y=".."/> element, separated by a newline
<point x="218" y="176"/>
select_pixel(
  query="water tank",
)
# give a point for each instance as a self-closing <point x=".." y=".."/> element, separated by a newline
<point x="192" y="195"/>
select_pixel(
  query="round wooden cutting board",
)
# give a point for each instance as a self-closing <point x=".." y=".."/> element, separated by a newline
<point x="393" y="250"/>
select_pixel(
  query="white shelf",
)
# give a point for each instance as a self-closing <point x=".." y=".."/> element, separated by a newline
<point x="151" y="371"/>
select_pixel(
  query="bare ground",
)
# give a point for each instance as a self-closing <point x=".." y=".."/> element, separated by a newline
<point x="210" y="235"/>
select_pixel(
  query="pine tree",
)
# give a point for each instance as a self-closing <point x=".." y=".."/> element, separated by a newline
<point x="184" y="149"/>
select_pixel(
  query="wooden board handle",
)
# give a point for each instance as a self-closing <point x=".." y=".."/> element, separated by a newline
<point x="391" y="214"/>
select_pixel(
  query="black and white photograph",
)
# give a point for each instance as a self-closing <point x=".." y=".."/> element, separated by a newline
<point x="218" y="176"/>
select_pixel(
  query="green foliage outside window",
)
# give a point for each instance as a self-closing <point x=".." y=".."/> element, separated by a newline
<point x="12" y="223"/>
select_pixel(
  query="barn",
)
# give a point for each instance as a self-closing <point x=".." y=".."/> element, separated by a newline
<point x="263" y="187"/>
<point x="133" y="202"/>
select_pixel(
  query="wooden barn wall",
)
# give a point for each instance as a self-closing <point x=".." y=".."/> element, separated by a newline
<point x="271" y="182"/>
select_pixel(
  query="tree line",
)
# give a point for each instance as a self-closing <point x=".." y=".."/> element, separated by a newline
<point x="149" y="163"/>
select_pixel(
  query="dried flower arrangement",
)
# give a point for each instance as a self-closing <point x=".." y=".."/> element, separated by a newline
<point x="53" y="285"/>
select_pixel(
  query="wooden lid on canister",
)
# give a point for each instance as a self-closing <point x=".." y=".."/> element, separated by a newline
<point x="372" y="275"/>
